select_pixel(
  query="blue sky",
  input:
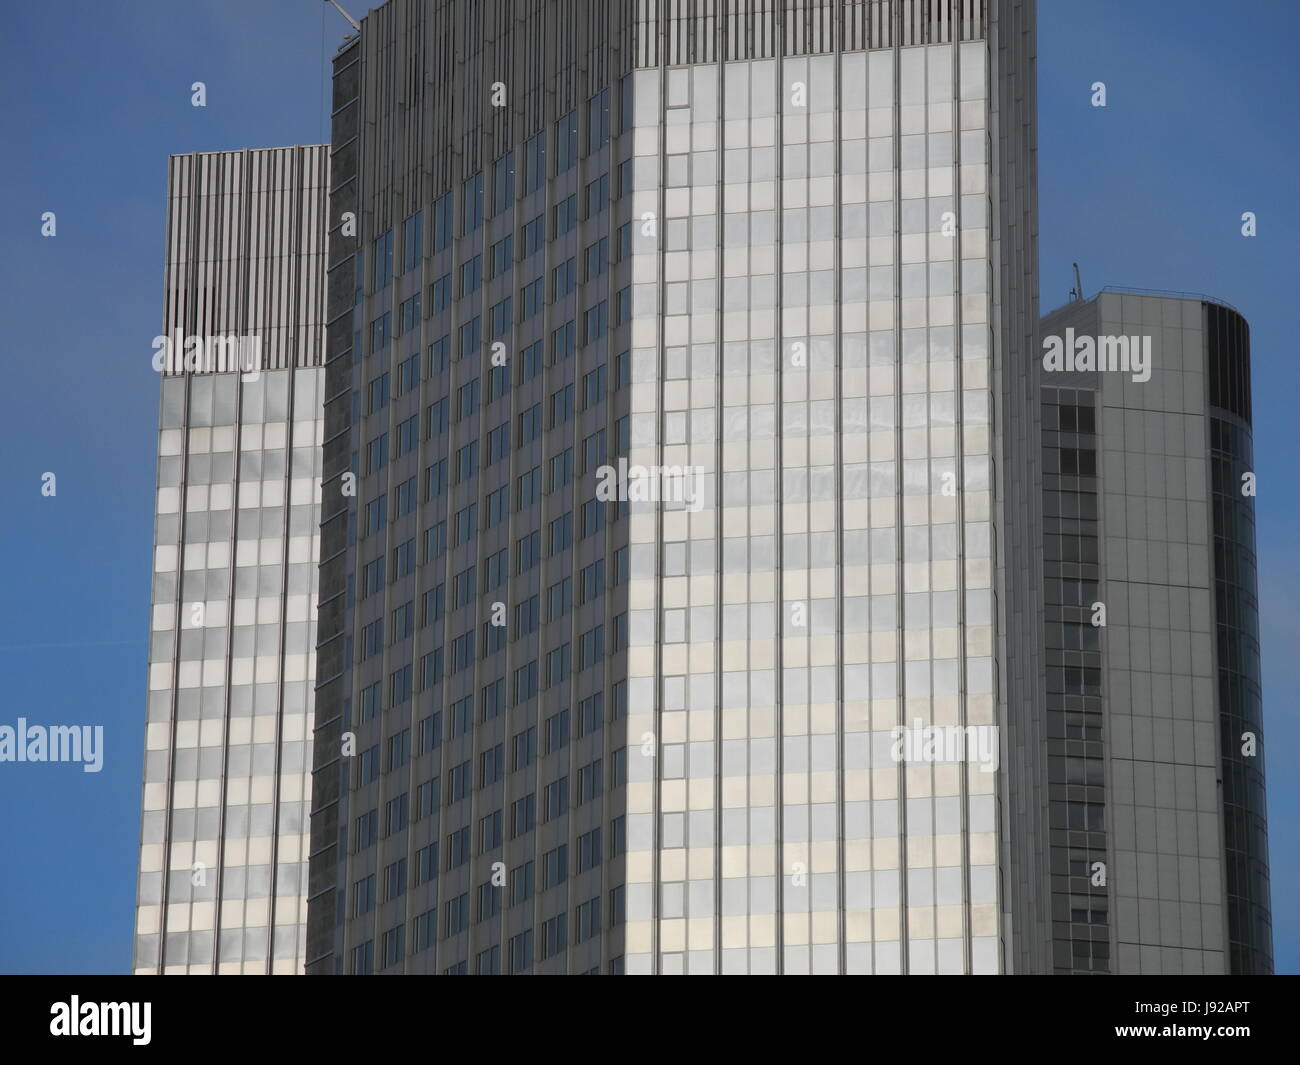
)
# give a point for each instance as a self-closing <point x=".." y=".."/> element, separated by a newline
<point x="1202" y="123"/>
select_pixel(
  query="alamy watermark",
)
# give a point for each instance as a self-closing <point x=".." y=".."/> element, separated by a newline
<point x="103" y="1018"/>
<point x="53" y="743"/>
<point x="976" y="744"/>
<point x="652" y="484"/>
<point x="218" y="353"/>
<point x="1089" y="354"/>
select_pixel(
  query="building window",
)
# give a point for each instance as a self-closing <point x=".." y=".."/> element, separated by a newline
<point x="523" y="815"/>
<point x="530" y="361"/>
<point x="456" y="918"/>
<point x="555" y="799"/>
<point x="499" y="318"/>
<point x="563" y="342"/>
<point x="502" y="255"/>
<point x="557" y="731"/>
<point x="1085" y="816"/>
<point x="458" y="852"/>
<point x="531" y="236"/>
<point x="595" y="323"/>
<point x="366" y="830"/>
<point x="566" y="142"/>
<point x="560" y="534"/>
<point x="525" y="682"/>
<point x="382" y="260"/>
<point x="412" y="235"/>
<point x="589" y="850"/>
<point x="591" y="713"/>
<point x="598" y="121"/>
<point x="489" y="832"/>
<point x="408" y="317"/>
<point x="564" y="279"/>
<point x="564" y="217"/>
<point x="458" y="781"/>
<point x="557" y="665"/>
<point x="534" y="162"/>
<point x="363" y="896"/>
<point x="363" y="958"/>
<point x="436" y="418"/>
<point x="489" y="900"/>
<point x="521" y="952"/>
<point x="529" y="484"/>
<point x="380" y="330"/>
<point x="491" y="765"/>
<point x="377" y="396"/>
<point x="395" y="880"/>
<point x="559" y="599"/>
<point x="590" y="781"/>
<point x="471" y="276"/>
<point x="435" y="541"/>
<point x="426" y="864"/>
<point x="471" y="336"/>
<point x="555" y="866"/>
<point x="399" y="753"/>
<point x="503" y="183"/>
<point x="524" y="748"/>
<point x="597" y="196"/>
<point x="555" y="935"/>
<point x="586" y="920"/>
<point x="424" y="931"/>
<point x="561" y="405"/>
<point x="472" y="203"/>
<point x="442" y="230"/>
<point x="521" y="883"/>
<point x="440" y="294"/>
<point x="430" y="732"/>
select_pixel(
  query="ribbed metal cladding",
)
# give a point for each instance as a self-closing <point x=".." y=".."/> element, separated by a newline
<point x="429" y="71"/>
<point x="245" y="251"/>
<point x="687" y="29"/>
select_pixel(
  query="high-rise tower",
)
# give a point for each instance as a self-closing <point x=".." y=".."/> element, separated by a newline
<point x="1159" y="852"/>
<point x="789" y="718"/>
<point x="223" y="855"/>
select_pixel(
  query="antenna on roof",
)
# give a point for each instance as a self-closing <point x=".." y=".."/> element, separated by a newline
<point x="353" y="22"/>
<point x="1077" y="291"/>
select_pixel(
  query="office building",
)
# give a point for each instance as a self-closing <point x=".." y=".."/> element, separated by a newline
<point x="787" y="252"/>
<point x="1159" y="855"/>
<point x="227" y="785"/>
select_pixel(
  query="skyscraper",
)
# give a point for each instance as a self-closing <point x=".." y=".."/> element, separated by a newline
<point x="1159" y="855"/>
<point x="768" y="269"/>
<point x="222" y="883"/>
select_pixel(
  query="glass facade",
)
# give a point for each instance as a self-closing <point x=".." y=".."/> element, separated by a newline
<point x="811" y="336"/>
<point x="226" y="794"/>
<point x="1236" y="604"/>
<point x="1075" y="711"/>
